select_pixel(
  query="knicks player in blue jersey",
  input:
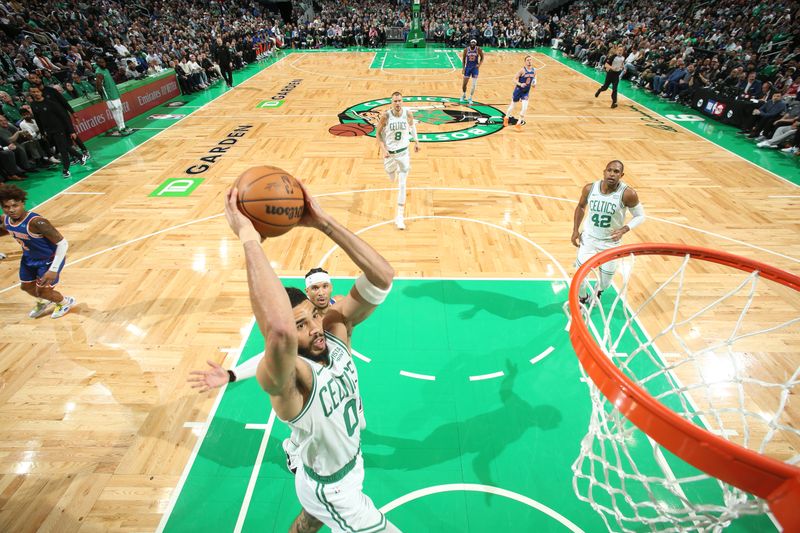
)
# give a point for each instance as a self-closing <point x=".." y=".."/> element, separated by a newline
<point x="524" y="80"/>
<point x="472" y="58"/>
<point x="44" y="251"/>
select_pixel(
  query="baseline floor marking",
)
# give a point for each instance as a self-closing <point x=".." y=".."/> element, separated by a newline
<point x="173" y="498"/>
<point x="475" y="487"/>
<point x="248" y="495"/>
<point x="417" y="376"/>
<point x="682" y="126"/>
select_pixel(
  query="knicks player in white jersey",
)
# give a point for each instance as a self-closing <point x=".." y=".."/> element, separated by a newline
<point x="310" y="376"/>
<point x="395" y="131"/>
<point x="606" y="201"/>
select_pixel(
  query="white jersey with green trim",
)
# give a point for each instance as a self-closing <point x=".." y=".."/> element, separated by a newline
<point x="327" y="431"/>
<point x="605" y="212"/>
<point x="396" y="132"/>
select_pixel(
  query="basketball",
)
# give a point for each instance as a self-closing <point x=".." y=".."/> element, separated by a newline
<point x="351" y="129"/>
<point x="271" y="198"/>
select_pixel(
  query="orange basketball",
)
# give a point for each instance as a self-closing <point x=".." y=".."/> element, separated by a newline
<point x="354" y="129"/>
<point x="271" y="198"/>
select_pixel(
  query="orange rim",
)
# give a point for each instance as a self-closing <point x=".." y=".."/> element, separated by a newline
<point x="774" y="481"/>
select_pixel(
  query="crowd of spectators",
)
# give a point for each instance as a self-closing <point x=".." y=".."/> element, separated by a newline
<point x="671" y="48"/>
<point x="56" y="48"/>
<point x="739" y="49"/>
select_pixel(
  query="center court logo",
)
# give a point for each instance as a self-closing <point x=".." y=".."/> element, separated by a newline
<point x="440" y="118"/>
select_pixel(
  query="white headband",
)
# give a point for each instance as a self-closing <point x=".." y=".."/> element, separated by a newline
<point x="317" y="277"/>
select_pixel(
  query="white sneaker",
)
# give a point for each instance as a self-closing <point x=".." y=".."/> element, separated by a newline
<point x="470" y="101"/>
<point x="763" y="144"/>
<point x="790" y="150"/>
<point x="39" y="309"/>
<point x="62" y="310"/>
<point x="3" y="256"/>
<point x="399" y="222"/>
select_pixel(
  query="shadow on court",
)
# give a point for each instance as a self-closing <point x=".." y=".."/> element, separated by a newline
<point x="484" y="436"/>
<point x="451" y="292"/>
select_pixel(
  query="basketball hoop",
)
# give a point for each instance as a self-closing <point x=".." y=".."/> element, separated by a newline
<point x="680" y="395"/>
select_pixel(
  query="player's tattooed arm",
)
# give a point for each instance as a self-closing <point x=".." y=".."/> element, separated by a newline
<point x="43" y="227"/>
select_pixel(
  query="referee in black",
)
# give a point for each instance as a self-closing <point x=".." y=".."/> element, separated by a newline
<point x="614" y="65"/>
<point x="225" y="61"/>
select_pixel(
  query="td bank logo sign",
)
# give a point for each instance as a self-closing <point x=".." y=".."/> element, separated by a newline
<point x="439" y="118"/>
<point x="177" y="187"/>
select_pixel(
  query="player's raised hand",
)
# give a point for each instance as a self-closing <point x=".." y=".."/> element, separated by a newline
<point x="240" y="224"/>
<point x="313" y="215"/>
<point x="205" y="380"/>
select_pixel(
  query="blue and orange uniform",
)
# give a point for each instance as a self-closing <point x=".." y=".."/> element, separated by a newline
<point x="471" y="62"/>
<point x="37" y="250"/>
<point x="527" y="78"/>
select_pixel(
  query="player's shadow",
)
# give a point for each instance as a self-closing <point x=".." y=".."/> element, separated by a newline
<point x="451" y="292"/>
<point x="485" y="436"/>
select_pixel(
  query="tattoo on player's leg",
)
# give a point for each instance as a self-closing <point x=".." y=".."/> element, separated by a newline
<point x="305" y="523"/>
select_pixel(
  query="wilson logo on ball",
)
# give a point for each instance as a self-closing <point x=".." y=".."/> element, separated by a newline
<point x="291" y="212"/>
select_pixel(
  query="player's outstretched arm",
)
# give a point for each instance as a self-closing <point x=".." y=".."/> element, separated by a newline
<point x="373" y="285"/>
<point x="580" y="211"/>
<point x="273" y="312"/>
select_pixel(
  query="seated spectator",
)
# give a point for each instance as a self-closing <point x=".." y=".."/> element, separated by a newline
<point x="154" y="68"/>
<point x="10" y="136"/>
<point x="751" y="87"/>
<point x="82" y="86"/>
<point x="130" y="70"/>
<point x="10" y="108"/>
<point x="764" y="116"/>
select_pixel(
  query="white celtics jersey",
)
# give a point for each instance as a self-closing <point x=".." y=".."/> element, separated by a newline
<point x="605" y="212"/>
<point x="327" y="431"/>
<point x="396" y="133"/>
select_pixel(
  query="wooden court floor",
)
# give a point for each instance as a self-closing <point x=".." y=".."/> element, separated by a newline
<point x="94" y="407"/>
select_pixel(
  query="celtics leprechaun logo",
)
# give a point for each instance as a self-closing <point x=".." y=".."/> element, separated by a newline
<point x="439" y="118"/>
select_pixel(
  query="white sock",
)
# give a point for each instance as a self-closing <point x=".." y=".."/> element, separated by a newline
<point x="474" y="84"/>
<point x="510" y="109"/>
<point x="401" y="193"/>
<point x="119" y="118"/>
<point x="524" y="108"/>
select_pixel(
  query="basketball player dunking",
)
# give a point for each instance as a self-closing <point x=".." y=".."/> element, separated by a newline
<point x="309" y="373"/>
<point x="472" y="59"/>
<point x="523" y="81"/>
<point x="318" y="290"/>
<point x="396" y="129"/>
<point x="607" y="200"/>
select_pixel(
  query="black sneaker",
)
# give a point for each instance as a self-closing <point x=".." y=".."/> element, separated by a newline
<point x="66" y="174"/>
<point x="597" y="93"/>
<point x="613" y="105"/>
<point x="84" y="158"/>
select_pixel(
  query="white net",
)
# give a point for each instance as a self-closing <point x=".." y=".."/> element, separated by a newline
<point x="723" y="355"/>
